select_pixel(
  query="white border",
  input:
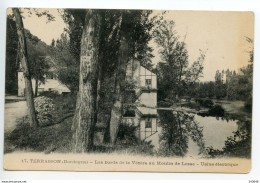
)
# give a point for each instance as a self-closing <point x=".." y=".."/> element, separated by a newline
<point x="222" y="5"/>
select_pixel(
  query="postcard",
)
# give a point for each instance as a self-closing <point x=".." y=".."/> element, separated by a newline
<point x="128" y="90"/>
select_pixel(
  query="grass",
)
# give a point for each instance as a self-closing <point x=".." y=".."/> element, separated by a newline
<point x="55" y="137"/>
<point x="58" y="138"/>
<point x="44" y="139"/>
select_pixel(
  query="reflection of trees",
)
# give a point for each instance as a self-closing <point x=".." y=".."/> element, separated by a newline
<point x="177" y="127"/>
<point x="238" y="145"/>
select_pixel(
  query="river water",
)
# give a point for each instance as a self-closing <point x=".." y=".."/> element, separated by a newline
<point x="186" y="134"/>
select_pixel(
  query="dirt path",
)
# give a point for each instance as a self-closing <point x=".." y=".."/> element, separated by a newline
<point x="14" y="111"/>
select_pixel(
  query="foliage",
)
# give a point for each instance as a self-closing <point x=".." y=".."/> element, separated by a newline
<point x="126" y="134"/>
<point x="12" y="59"/>
<point x="52" y="108"/>
<point x="37" y="54"/>
<point x="46" y="139"/>
<point x="39" y="62"/>
<point x="205" y="102"/>
<point x="174" y="75"/>
<point x="238" y="145"/>
<point x="44" y="108"/>
<point x="216" y="110"/>
<point x="176" y="128"/>
<point x="68" y="55"/>
<point x="165" y="103"/>
<point x="66" y="66"/>
<point x="230" y="84"/>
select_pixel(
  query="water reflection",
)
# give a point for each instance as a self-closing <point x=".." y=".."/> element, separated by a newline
<point x="178" y="129"/>
<point x="183" y="134"/>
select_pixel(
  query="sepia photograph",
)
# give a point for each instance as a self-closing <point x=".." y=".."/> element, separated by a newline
<point x="128" y="90"/>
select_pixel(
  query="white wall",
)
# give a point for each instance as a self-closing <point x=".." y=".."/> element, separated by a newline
<point x="149" y="99"/>
<point x="146" y="132"/>
<point x="53" y="84"/>
<point x="21" y="84"/>
<point x="146" y="74"/>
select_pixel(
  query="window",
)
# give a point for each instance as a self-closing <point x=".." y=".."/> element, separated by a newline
<point x="148" y="82"/>
<point x="129" y="113"/>
<point x="148" y="123"/>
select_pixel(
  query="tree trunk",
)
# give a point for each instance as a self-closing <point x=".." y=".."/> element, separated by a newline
<point x="25" y="66"/>
<point x="123" y="57"/>
<point x="100" y="68"/>
<point x="85" y="114"/>
<point x="36" y="87"/>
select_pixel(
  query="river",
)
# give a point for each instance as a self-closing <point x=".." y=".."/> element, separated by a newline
<point x="185" y="134"/>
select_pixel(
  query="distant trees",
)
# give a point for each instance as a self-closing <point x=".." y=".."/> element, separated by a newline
<point x="38" y="59"/>
<point x="66" y="65"/>
<point x="220" y="85"/>
<point x="12" y="56"/>
<point x="229" y="84"/>
<point x="37" y="53"/>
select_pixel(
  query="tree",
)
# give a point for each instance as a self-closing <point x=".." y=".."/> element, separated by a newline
<point x="12" y="56"/>
<point x="220" y="86"/>
<point x="174" y="75"/>
<point x="123" y="57"/>
<point x="25" y="66"/>
<point x="138" y="27"/>
<point x="85" y="114"/>
<point x="134" y="35"/>
<point x="66" y="65"/>
<point x="38" y="59"/>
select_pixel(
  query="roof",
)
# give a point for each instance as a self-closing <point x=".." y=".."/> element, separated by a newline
<point x="147" y="112"/>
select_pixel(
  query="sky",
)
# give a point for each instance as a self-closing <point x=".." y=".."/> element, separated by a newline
<point x="220" y="34"/>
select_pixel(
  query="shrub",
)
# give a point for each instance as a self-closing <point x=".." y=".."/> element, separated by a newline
<point x="205" y="102"/>
<point x="44" y="107"/>
<point x="208" y="103"/>
<point x="216" y="110"/>
<point x="126" y="134"/>
<point x="165" y="103"/>
<point x="248" y="105"/>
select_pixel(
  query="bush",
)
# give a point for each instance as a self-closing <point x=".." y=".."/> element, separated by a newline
<point x="248" y="105"/>
<point x="208" y="103"/>
<point x="165" y="103"/>
<point x="44" y="107"/>
<point x="216" y="110"/>
<point x="49" y="94"/>
<point x="205" y="102"/>
<point x="52" y="109"/>
<point x="126" y="134"/>
<point x="192" y="105"/>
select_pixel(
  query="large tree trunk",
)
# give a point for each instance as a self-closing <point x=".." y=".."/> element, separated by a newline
<point x="25" y="66"/>
<point x="123" y="57"/>
<point x="100" y="68"/>
<point x="85" y="114"/>
<point x="36" y="87"/>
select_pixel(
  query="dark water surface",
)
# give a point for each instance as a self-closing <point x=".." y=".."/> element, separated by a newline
<point x="184" y="134"/>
